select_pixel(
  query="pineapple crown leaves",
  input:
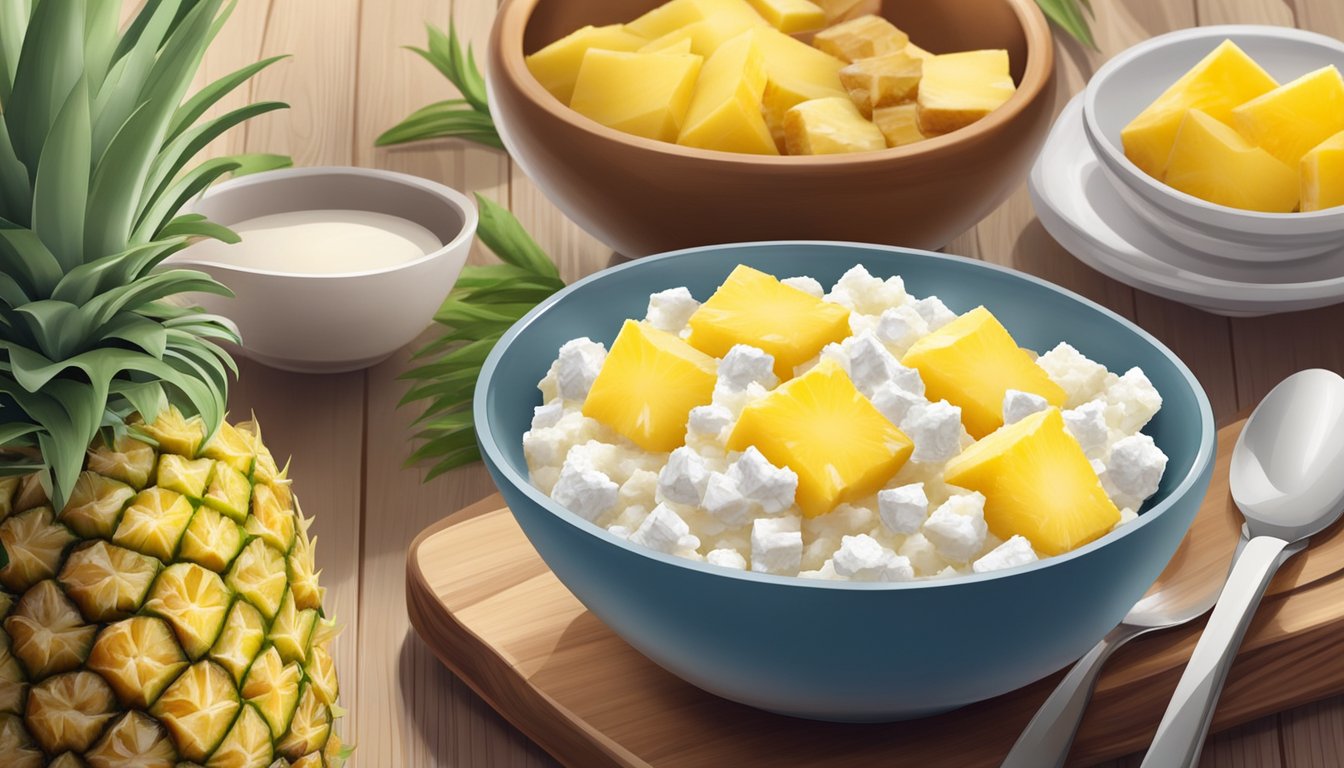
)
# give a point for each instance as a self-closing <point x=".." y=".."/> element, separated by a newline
<point x="96" y="141"/>
<point x="465" y="118"/>
<point x="484" y="303"/>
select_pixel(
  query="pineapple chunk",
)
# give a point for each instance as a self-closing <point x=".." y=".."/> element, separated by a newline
<point x="1220" y="81"/>
<point x="258" y="575"/>
<point x="139" y="658"/>
<point x="669" y="17"/>
<point x="128" y="460"/>
<point x="791" y="16"/>
<point x="972" y="362"/>
<point x="882" y="81"/>
<point x="959" y="88"/>
<point x="556" y="66"/>
<point x="725" y="113"/>
<point x="34" y="542"/>
<point x="1037" y="483"/>
<point x="1213" y="162"/>
<point x="838" y="11"/>
<point x="754" y="308"/>
<point x="911" y="49"/>
<point x="861" y="38"/>
<point x="899" y="124"/>
<point x="1291" y="119"/>
<point x="646" y="94"/>
<point x="667" y="44"/>
<point x="820" y="426"/>
<point x="1323" y="175"/>
<point x="242" y="637"/>
<point x="828" y="127"/>
<point x="795" y="72"/>
<point x="648" y="385"/>
<point x="723" y="21"/>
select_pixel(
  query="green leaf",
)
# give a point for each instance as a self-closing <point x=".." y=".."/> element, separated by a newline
<point x="466" y="118"/>
<point x="16" y="195"/>
<point x="196" y="225"/>
<point x="191" y="110"/>
<point x="258" y="162"/>
<point x="502" y="234"/>
<point x="62" y="186"/>
<point x="50" y="63"/>
<point x="13" y="24"/>
<point x="444" y="119"/>
<point x="1069" y="15"/>
<point x="183" y="189"/>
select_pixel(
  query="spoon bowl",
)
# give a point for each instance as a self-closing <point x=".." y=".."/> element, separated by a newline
<point x="1286" y="468"/>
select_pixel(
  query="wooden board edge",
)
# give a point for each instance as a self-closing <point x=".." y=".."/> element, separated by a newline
<point x="510" y="694"/>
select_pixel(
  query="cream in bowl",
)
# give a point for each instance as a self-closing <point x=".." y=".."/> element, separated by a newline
<point x="336" y="268"/>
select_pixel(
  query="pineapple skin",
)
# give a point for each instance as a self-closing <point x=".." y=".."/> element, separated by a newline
<point x="117" y="651"/>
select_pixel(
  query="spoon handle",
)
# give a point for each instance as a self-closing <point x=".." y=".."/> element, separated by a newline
<point x="1046" y="740"/>
<point x="1180" y="735"/>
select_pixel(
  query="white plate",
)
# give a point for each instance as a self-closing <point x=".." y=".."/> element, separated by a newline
<point x="1078" y="206"/>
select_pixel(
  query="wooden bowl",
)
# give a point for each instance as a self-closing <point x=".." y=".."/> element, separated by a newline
<point x="641" y="196"/>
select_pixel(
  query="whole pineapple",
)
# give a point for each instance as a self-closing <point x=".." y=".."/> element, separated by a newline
<point x="159" y="604"/>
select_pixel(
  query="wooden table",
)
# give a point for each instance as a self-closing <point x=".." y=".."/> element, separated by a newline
<point x="348" y="81"/>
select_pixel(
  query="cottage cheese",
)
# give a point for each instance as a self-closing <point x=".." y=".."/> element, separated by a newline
<point x="736" y="510"/>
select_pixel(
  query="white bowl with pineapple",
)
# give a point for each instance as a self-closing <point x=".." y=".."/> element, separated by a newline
<point x="857" y="434"/>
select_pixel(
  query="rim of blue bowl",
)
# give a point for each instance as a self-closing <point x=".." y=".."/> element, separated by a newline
<point x="1181" y="205"/>
<point x="489" y="446"/>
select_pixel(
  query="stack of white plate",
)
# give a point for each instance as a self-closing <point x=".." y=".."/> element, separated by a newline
<point x="1127" y="225"/>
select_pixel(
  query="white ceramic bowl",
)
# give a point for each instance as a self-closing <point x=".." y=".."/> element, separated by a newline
<point x="330" y="323"/>
<point x="1128" y="83"/>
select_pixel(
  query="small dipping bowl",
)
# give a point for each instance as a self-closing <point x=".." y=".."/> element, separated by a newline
<point x="1131" y="81"/>
<point x="331" y="323"/>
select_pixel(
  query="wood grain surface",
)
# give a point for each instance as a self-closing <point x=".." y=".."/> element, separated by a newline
<point x="348" y="80"/>
<point x="479" y="593"/>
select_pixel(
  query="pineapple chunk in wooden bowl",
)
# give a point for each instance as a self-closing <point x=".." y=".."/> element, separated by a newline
<point x="676" y="141"/>
<point x="816" y="647"/>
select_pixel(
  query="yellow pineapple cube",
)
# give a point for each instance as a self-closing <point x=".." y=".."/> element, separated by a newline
<point x="646" y="94"/>
<point x="556" y="66"/>
<point x="795" y="72"/>
<point x="1291" y="119"/>
<point x="899" y="124"/>
<point x="668" y="17"/>
<point x="725" y="113"/>
<point x="829" y="127"/>
<point x="1220" y="81"/>
<point x="754" y="308"/>
<point x="648" y="385"/>
<point x="791" y="16"/>
<point x="838" y="11"/>
<point x="1213" y="162"/>
<point x="959" y="88"/>
<point x="1323" y="175"/>
<point x="972" y="362"/>
<point x="667" y="44"/>
<point x="723" y="20"/>
<point x="1037" y="484"/>
<point x="841" y="447"/>
<point x="911" y="49"/>
<point x="861" y="38"/>
<point x="882" y="81"/>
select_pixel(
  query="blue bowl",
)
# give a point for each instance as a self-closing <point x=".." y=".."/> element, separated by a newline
<point x="845" y="651"/>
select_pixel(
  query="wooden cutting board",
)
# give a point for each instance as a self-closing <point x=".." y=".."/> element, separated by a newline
<point x="484" y="601"/>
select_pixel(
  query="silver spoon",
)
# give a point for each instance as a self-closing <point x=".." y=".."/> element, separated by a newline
<point x="1183" y="593"/>
<point x="1287" y="479"/>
